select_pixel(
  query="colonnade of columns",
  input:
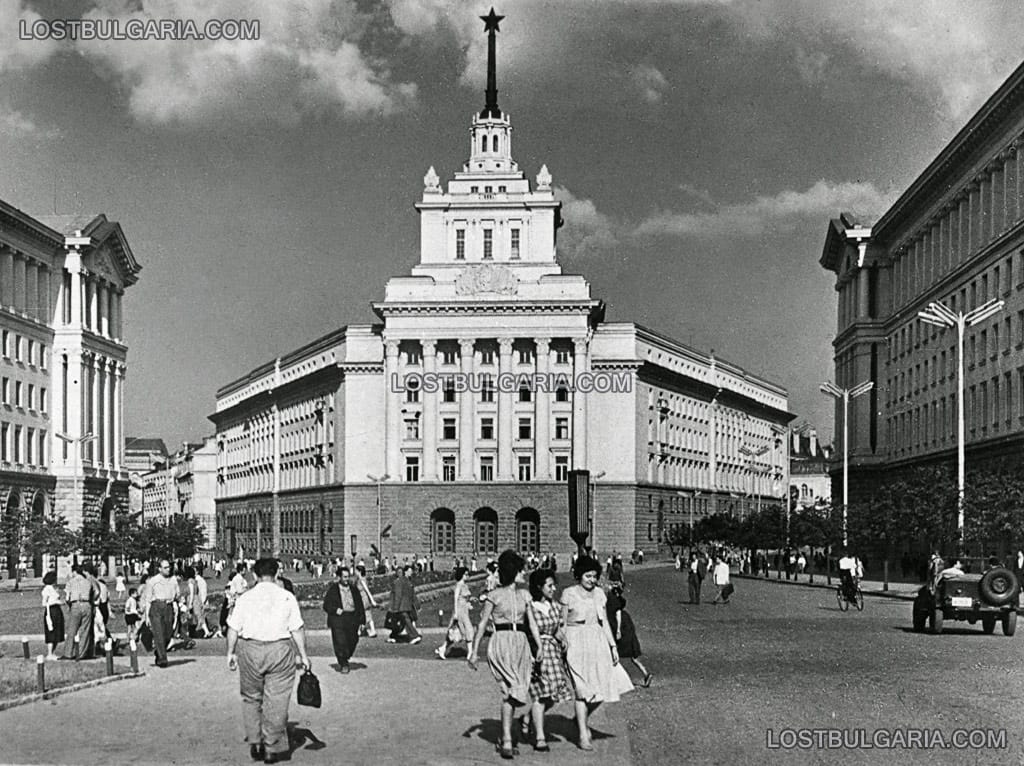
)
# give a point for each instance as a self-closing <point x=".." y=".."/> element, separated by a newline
<point x="101" y="409"/>
<point x="506" y="444"/>
<point x="25" y="284"/>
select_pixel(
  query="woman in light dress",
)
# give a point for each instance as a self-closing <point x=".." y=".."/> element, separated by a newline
<point x="53" y="615"/>
<point x="508" y="653"/>
<point x="591" y="652"/>
<point x="460" y="614"/>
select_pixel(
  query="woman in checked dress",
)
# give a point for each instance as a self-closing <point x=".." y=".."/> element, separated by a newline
<point x="550" y="683"/>
<point x="508" y="653"/>
<point x="591" y="652"/>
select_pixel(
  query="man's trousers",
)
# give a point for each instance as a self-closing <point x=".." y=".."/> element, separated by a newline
<point x="266" y="677"/>
<point x="80" y="627"/>
<point x="161" y="622"/>
<point x="344" y="636"/>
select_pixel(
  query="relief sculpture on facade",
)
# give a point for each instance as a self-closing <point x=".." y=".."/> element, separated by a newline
<point x="486" y="279"/>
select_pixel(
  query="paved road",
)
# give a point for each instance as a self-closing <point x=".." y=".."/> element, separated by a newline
<point x="776" y="658"/>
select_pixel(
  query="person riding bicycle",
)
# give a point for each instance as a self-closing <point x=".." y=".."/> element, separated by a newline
<point x="848" y="566"/>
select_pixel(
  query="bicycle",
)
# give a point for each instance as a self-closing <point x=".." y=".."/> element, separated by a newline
<point x="844" y="600"/>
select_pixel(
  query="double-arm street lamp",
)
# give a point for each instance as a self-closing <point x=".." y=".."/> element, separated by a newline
<point x="378" y="480"/>
<point x="940" y="316"/>
<point x="845" y="395"/>
<point x="752" y="456"/>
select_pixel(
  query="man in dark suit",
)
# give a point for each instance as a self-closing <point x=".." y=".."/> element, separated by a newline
<point x="404" y="606"/>
<point x="345" y="615"/>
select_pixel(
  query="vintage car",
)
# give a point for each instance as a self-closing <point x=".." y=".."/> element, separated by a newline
<point x="989" y="597"/>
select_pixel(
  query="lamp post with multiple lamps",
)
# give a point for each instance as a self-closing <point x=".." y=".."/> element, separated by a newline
<point x="938" y="315"/>
<point x="845" y="395"/>
<point x="752" y="456"/>
<point x="378" y="480"/>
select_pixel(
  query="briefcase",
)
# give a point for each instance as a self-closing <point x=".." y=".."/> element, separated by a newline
<point x="728" y="590"/>
<point x="146" y="637"/>
<point x="308" y="692"/>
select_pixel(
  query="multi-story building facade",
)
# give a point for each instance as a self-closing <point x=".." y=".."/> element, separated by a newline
<point x="451" y="426"/>
<point x="954" y="237"/>
<point x="186" y="483"/>
<point x="62" y="365"/>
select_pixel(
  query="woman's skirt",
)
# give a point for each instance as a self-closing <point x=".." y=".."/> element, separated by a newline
<point x="56" y="635"/>
<point x="550" y="682"/>
<point x="590" y="663"/>
<point x="510" y="661"/>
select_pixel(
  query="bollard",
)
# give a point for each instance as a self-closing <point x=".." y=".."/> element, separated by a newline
<point x="810" y="577"/>
<point x="74" y="648"/>
<point x="885" y="575"/>
<point x="134" y="651"/>
<point x="40" y="674"/>
<point x="24" y="648"/>
<point x="779" y="575"/>
<point x="440" y="618"/>
<point x="108" y="651"/>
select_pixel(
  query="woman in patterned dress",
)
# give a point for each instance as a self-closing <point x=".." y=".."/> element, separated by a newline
<point x="508" y="653"/>
<point x="591" y="653"/>
<point x="550" y="683"/>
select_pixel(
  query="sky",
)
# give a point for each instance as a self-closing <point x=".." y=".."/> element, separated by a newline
<point x="699" y="147"/>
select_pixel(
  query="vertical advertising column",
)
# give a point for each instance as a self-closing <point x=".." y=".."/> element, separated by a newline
<point x="467" y="432"/>
<point x="505" y="409"/>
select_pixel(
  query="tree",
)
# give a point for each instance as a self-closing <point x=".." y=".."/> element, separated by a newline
<point x="720" y="528"/>
<point x="815" y="526"/>
<point x="993" y="509"/>
<point x="36" y="534"/>
<point x="176" y="538"/>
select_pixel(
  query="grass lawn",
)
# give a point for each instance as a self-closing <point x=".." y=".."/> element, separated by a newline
<point x="18" y="676"/>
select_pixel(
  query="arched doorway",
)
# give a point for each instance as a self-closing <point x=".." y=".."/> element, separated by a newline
<point x="485" y="530"/>
<point x="442" y="531"/>
<point x="528" y="530"/>
<point x="11" y="527"/>
<point x="38" y="513"/>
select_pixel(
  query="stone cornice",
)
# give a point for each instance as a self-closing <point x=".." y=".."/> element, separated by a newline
<point x="361" y="368"/>
<point x="487" y="307"/>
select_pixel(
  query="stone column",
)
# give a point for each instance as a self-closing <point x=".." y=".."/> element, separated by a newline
<point x="102" y="309"/>
<point x="109" y="445"/>
<point x="31" y="288"/>
<point x="43" y="289"/>
<point x="6" y="276"/>
<point x="467" y="429"/>
<point x="542" y="411"/>
<point x="19" y="282"/>
<point x="430" y="403"/>
<point x="97" y="409"/>
<point x="579" y="405"/>
<point x="117" y="329"/>
<point x="392" y="407"/>
<point x="504" y="409"/>
<point x="118" y="437"/>
<point x="862" y="289"/>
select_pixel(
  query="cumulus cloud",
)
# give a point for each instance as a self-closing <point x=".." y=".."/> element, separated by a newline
<point x="16" y="53"/>
<point x="649" y="82"/>
<point x="17" y="125"/>
<point x="763" y="215"/>
<point x="587" y="231"/>
<point x="308" y="59"/>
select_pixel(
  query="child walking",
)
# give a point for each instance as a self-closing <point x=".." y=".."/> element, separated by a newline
<point x="624" y="631"/>
<point x="131" y="613"/>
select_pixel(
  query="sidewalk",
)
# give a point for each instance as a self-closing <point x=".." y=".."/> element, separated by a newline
<point x="901" y="590"/>
<point x="395" y="710"/>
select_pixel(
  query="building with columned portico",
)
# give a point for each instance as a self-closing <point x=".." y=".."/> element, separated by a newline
<point x="450" y="425"/>
<point x="63" y="362"/>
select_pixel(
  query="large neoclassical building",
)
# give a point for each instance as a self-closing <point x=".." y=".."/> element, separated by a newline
<point x="954" y="237"/>
<point x="62" y="367"/>
<point x="450" y="426"/>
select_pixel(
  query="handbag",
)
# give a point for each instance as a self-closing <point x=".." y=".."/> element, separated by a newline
<point x="728" y="590"/>
<point x="308" y="691"/>
<point x="146" y="637"/>
<point x="454" y="633"/>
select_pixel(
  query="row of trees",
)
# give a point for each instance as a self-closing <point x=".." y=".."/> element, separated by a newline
<point x="916" y="510"/>
<point x="33" y="536"/>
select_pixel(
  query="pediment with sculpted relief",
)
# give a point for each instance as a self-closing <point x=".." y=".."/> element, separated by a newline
<point x="486" y="279"/>
<point x="102" y="263"/>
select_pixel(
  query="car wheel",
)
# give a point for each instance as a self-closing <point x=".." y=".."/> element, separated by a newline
<point x="999" y="586"/>
<point x="920" y="619"/>
<point x="935" y="621"/>
<point x="988" y="624"/>
<point x="1010" y="623"/>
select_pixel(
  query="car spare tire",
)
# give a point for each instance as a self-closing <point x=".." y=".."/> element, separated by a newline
<point x="999" y="586"/>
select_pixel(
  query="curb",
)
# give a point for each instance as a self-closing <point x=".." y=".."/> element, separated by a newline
<point x="825" y="586"/>
<point x="38" y="696"/>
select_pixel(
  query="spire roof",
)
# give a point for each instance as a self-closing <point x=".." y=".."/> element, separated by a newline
<point x="491" y="108"/>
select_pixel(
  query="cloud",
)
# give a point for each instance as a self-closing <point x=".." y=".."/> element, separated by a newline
<point x="587" y="231"/>
<point x="16" y="53"/>
<point x="18" y="125"/>
<point x="702" y="195"/>
<point x="650" y="82"/>
<point x="308" y="59"/>
<point x="782" y="212"/>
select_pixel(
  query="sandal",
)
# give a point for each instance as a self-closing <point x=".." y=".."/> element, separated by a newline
<point x="647" y="680"/>
<point x="541" y="746"/>
<point x="505" y="752"/>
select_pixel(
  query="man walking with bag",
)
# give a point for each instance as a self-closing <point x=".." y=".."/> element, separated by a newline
<point x="345" y="615"/>
<point x="404" y="606"/>
<point x="266" y="629"/>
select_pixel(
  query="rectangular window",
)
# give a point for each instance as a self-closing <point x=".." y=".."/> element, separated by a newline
<point x="17" y="348"/>
<point x="561" y="468"/>
<point x="525" y="394"/>
<point x="30" y="438"/>
<point x="31" y="396"/>
<point x="561" y="428"/>
<point x="448" y="392"/>
<point x="412" y="468"/>
<point x="6" y="391"/>
<point x="412" y="395"/>
<point x="42" y="448"/>
<point x="562" y="394"/>
<point x="487" y="356"/>
<point x="526" y="356"/>
<point x="488" y="244"/>
<point x="514" y="247"/>
<point x="412" y="428"/>
<point x="413" y="356"/>
<point x="525" y="465"/>
<point x="448" y="429"/>
<point x="525" y="428"/>
<point x="5" y="433"/>
<point x="487" y="389"/>
<point x="460" y="244"/>
<point x="487" y="468"/>
<point x="31" y="352"/>
<point x="448" y="468"/>
<point x="6" y="344"/>
<point x="17" y="394"/>
<point x="17" y="444"/>
<point x="487" y="429"/>
<point x="562" y="356"/>
<point x="448" y="356"/>
<point x="42" y="356"/>
<point x="42" y="400"/>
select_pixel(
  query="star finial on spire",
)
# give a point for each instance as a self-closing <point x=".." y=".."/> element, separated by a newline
<point x="491" y="21"/>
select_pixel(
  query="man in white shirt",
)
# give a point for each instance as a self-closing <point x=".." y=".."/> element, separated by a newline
<point x="847" y="572"/>
<point x="237" y="586"/>
<point x="266" y="628"/>
<point x="720" y="577"/>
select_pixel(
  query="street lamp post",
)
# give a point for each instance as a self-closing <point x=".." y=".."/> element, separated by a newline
<point x="78" y="442"/>
<point x="845" y="395"/>
<point x="752" y="456"/>
<point x="380" y="540"/>
<point x="593" y="509"/>
<point x="940" y="316"/>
